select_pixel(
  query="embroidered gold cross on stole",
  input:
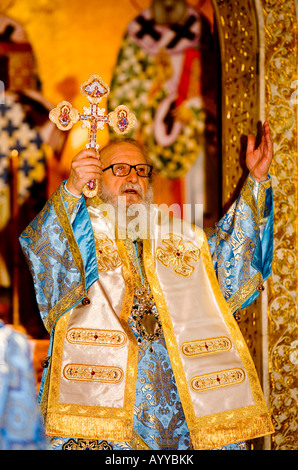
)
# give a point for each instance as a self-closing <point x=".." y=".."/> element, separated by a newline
<point x="93" y="118"/>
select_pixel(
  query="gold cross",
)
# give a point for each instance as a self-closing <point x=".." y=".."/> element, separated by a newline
<point x="93" y="118"/>
<point x="179" y="254"/>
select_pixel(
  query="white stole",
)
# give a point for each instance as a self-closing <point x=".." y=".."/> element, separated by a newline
<point x="94" y="365"/>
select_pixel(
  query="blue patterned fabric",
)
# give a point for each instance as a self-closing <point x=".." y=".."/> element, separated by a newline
<point x="158" y="417"/>
<point x="241" y="247"/>
<point x="158" y="414"/>
<point x="241" y="244"/>
<point x="21" y="426"/>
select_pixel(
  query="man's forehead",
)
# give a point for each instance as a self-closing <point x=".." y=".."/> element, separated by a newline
<point x="123" y="152"/>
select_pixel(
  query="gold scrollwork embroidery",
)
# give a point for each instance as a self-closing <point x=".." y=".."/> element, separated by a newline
<point x="179" y="254"/>
<point x="86" y="444"/>
<point x="93" y="373"/>
<point x="107" y="258"/>
<point x="219" y="379"/>
<point x="96" y="337"/>
<point x="206" y="346"/>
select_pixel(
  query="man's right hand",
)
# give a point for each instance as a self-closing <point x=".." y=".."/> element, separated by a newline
<point x="85" y="166"/>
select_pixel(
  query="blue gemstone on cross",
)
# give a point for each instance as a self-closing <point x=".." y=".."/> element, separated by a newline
<point x="122" y="124"/>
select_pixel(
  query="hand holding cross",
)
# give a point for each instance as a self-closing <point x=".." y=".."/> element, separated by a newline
<point x="93" y="118"/>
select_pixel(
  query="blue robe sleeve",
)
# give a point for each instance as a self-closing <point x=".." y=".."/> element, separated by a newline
<point x="60" y="251"/>
<point x="21" y="426"/>
<point x="241" y="244"/>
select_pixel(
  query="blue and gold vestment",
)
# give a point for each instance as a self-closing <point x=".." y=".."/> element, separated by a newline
<point x="21" y="426"/>
<point x="180" y="394"/>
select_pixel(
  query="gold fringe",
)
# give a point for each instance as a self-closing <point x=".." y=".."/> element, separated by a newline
<point x="231" y="432"/>
<point x="88" y="422"/>
<point x="87" y="427"/>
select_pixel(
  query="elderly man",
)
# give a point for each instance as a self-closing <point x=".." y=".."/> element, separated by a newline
<point x="145" y="352"/>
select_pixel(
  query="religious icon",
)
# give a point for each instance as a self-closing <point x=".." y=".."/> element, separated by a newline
<point x="64" y="116"/>
<point x="121" y="120"/>
<point x="93" y="118"/>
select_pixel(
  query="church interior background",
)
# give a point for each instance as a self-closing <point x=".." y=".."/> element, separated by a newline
<point x="240" y="70"/>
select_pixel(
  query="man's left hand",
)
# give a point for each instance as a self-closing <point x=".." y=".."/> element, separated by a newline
<point x="258" y="160"/>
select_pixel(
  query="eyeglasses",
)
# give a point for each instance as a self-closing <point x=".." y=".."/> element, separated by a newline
<point x="123" y="169"/>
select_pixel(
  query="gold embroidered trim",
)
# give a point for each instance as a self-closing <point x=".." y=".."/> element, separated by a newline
<point x="86" y="444"/>
<point x="245" y="292"/>
<point x="64" y="304"/>
<point x="138" y="442"/>
<point x="78" y="291"/>
<point x="264" y="185"/>
<point x="70" y="200"/>
<point x="113" y="428"/>
<point x="106" y="257"/>
<point x="179" y="254"/>
<point x="110" y="423"/>
<point x="206" y="346"/>
<point x="217" y="425"/>
<point x="93" y="373"/>
<point x="248" y="197"/>
<point x="219" y="379"/>
<point x="231" y="430"/>
<point x="113" y="338"/>
<point x="66" y="225"/>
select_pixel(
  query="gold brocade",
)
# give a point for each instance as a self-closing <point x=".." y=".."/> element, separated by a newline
<point x="233" y="425"/>
<point x="96" y="337"/>
<point x="106" y="258"/>
<point x="82" y="421"/>
<point x="93" y="373"/>
<point x="248" y="420"/>
<point x="238" y="299"/>
<point x="77" y="292"/>
<point x="177" y="254"/>
<point x="206" y="346"/>
<point x="221" y="378"/>
<point x="89" y="422"/>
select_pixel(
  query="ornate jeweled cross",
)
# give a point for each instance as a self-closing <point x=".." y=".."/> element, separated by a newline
<point x="93" y="118"/>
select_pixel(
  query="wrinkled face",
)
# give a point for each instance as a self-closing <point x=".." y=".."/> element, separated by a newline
<point x="133" y="187"/>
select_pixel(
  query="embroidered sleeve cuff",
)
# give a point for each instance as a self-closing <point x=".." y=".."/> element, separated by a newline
<point x="262" y="192"/>
<point x="71" y="201"/>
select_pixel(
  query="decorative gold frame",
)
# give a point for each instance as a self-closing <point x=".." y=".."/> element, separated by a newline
<point x="258" y="42"/>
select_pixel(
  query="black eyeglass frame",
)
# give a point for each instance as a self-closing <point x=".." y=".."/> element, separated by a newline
<point x="130" y="167"/>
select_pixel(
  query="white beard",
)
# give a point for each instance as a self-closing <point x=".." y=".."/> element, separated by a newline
<point x="133" y="221"/>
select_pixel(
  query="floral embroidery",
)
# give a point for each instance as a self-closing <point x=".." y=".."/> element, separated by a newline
<point x="96" y="337"/>
<point x="86" y="444"/>
<point x="206" y="346"/>
<point x="94" y="373"/>
<point x="217" y="379"/>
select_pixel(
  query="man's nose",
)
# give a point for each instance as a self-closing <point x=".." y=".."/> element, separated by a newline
<point x="132" y="176"/>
